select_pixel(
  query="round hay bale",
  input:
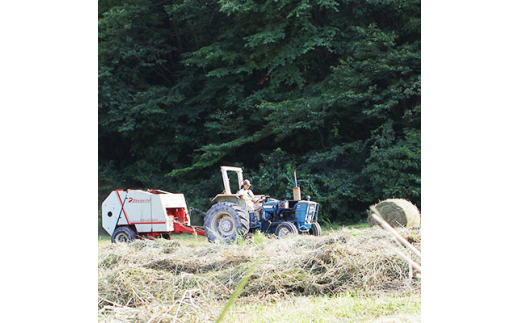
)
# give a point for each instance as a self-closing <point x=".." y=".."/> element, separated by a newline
<point x="398" y="213"/>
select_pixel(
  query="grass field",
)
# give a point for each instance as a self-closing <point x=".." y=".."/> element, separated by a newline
<point x="346" y="275"/>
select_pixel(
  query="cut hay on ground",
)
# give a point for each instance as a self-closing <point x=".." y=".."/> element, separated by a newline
<point x="398" y="213"/>
<point x="170" y="281"/>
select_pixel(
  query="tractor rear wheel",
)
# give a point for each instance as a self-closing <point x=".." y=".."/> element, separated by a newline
<point x="284" y="229"/>
<point x="315" y="229"/>
<point x="123" y="234"/>
<point x="226" y="222"/>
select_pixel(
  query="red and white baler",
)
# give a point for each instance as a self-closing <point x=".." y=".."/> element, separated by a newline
<point x="127" y="215"/>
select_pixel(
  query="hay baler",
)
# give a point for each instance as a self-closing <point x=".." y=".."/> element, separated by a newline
<point x="131" y="214"/>
<point x="229" y="217"/>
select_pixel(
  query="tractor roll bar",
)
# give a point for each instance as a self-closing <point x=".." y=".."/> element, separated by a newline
<point x="225" y="178"/>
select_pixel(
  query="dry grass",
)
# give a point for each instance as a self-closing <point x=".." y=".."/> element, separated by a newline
<point x="176" y="281"/>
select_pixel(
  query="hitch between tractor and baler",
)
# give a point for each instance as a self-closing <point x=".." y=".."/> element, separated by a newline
<point x="179" y="217"/>
<point x="181" y="228"/>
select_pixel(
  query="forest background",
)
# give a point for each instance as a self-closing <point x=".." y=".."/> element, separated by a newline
<point x="330" y="88"/>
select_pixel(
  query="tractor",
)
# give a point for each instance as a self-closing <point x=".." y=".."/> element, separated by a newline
<point x="228" y="218"/>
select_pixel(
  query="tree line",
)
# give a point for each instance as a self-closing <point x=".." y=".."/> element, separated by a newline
<point x="328" y="87"/>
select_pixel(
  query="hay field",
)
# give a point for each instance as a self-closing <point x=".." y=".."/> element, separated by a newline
<point x="346" y="275"/>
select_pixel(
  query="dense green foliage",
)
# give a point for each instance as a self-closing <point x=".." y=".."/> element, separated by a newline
<point x="330" y="87"/>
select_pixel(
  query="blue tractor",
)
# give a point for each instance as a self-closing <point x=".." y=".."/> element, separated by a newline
<point x="229" y="217"/>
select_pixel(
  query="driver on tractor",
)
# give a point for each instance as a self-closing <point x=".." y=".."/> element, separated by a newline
<point x="253" y="204"/>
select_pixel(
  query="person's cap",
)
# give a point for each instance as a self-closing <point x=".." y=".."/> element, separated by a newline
<point x="246" y="182"/>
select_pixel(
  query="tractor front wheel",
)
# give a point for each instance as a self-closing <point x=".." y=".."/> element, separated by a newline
<point x="123" y="234"/>
<point x="226" y="222"/>
<point x="315" y="229"/>
<point x="284" y="229"/>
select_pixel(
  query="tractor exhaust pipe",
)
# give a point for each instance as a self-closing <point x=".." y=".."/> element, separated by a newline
<point x="297" y="194"/>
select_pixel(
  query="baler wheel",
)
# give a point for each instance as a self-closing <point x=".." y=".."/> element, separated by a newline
<point x="225" y="222"/>
<point x="123" y="234"/>
<point x="284" y="229"/>
<point x="315" y="229"/>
